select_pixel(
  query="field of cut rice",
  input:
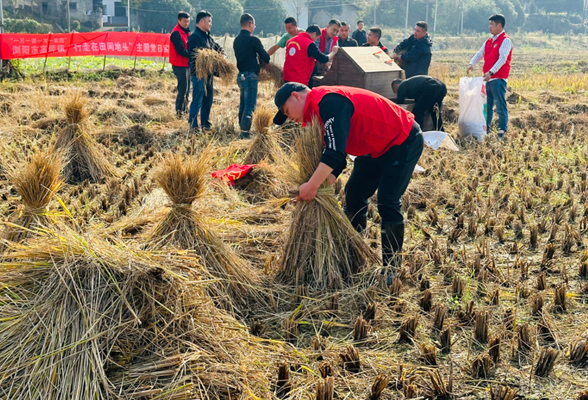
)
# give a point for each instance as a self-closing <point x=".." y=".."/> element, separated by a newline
<point x="128" y="272"/>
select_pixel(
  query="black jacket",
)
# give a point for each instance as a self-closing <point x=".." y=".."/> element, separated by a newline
<point x="200" y="40"/>
<point x="417" y="55"/>
<point x="360" y="37"/>
<point x="249" y="52"/>
<point x="347" y="43"/>
<point x="380" y="45"/>
<point x="419" y="86"/>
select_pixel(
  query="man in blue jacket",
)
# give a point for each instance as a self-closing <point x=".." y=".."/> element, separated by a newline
<point x="202" y="88"/>
<point x="415" y="52"/>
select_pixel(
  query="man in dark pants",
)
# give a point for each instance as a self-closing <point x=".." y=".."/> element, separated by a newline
<point x="359" y="35"/>
<point x="384" y="138"/>
<point x="202" y="92"/>
<point x="428" y="94"/>
<point x="247" y="50"/>
<point x="415" y="52"/>
<point x="344" y="39"/>
<point x="178" y="58"/>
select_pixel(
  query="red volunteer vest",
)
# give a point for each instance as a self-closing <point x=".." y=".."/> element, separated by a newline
<point x="298" y="65"/>
<point x="174" y="58"/>
<point x="323" y="41"/>
<point x="491" y="55"/>
<point x="376" y="125"/>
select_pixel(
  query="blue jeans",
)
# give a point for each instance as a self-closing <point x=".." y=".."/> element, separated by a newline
<point x="201" y="102"/>
<point x="496" y="93"/>
<point x="247" y="82"/>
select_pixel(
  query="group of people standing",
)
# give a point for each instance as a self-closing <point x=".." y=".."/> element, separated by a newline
<point x="385" y="139"/>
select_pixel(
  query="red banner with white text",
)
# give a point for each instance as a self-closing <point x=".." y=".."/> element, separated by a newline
<point x="129" y="44"/>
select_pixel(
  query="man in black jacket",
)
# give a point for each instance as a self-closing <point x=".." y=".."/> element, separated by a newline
<point x="428" y="94"/>
<point x="247" y="50"/>
<point x="359" y="35"/>
<point x="344" y="39"/>
<point x="415" y="52"/>
<point x="202" y="88"/>
<point x="178" y="58"/>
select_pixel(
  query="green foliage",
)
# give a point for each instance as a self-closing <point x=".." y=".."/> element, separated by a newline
<point x="75" y="25"/>
<point x="225" y="15"/>
<point x="160" y="15"/>
<point x="269" y="15"/>
<point x="26" y="25"/>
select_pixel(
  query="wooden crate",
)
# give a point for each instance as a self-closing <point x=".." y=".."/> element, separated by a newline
<point x="362" y="67"/>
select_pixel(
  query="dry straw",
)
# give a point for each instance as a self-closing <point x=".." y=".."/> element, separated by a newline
<point x="272" y="73"/>
<point x="90" y="318"/>
<point x="321" y="242"/>
<point x="184" y="180"/>
<point x="36" y="181"/>
<point x="212" y="63"/>
<point x="86" y="158"/>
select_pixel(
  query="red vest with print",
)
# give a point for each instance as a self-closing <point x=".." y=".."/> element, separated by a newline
<point x="323" y="42"/>
<point x="298" y="65"/>
<point x="492" y="54"/>
<point x="174" y="58"/>
<point x="376" y="125"/>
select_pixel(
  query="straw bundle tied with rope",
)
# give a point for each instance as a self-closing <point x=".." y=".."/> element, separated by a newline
<point x="265" y="146"/>
<point x="85" y="157"/>
<point x="84" y="317"/>
<point x="272" y="73"/>
<point x="322" y="250"/>
<point x="184" y="179"/>
<point x="36" y="181"/>
<point x="212" y="63"/>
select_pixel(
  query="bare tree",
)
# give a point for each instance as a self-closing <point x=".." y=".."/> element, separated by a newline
<point x="298" y="6"/>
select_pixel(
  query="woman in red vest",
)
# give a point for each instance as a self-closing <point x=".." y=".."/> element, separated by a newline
<point x="496" y="52"/>
<point x="301" y="52"/>
<point x="383" y="137"/>
<point x="178" y="58"/>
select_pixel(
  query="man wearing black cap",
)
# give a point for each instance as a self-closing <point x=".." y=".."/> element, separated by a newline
<point x="384" y="138"/>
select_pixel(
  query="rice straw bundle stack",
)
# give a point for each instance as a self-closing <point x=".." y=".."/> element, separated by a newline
<point x="322" y="249"/>
<point x="265" y="146"/>
<point x="36" y="181"/>
<point x="184" y="181"/>
<point x="89" y="318"/>
<point x="272" y="73"/>
<point x="210" y="63"/>
<point x="86" y="158"/>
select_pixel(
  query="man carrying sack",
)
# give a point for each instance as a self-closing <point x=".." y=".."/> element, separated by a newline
<point x="384" y="138"/>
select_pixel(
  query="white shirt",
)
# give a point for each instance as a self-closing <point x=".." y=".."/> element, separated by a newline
<point x="503" y="53"/>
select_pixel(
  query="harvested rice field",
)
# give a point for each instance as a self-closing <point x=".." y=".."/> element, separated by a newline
<point x="128" y="272"/>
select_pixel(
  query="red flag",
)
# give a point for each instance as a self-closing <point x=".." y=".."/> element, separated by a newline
<point x="232" y="173"/>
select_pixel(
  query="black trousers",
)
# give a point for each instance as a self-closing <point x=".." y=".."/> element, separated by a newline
<point x="432" y="96"/>
<point x="183" y="77"/>
<point x="389" y="174"/>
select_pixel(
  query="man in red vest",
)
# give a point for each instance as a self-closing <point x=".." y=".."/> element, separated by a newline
<point x="301" y="53"/>
<point x="178" y="58"/>
<point x="496" y="52"/>
<point x="383" y="137"/>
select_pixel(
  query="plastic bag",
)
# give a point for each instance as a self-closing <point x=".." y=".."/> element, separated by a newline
<point x="472" y="108"/>
<point x="439" y="140"/>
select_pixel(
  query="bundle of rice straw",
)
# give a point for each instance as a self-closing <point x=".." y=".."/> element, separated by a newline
<point x="212" y="63"/>
<point x="86" y="158"/>
<point x="36" y="181"/>
<point x="272" y="73"/>
<point x="84" y="317"/>
<point x="322" y="250"/>
<point x="184" y="180"/>
<point x="265" y="146"/>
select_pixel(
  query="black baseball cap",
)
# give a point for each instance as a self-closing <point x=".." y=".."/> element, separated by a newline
<point x="282" y="95"/>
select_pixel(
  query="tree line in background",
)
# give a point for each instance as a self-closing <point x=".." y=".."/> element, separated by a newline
<point x="454" y="17"/>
